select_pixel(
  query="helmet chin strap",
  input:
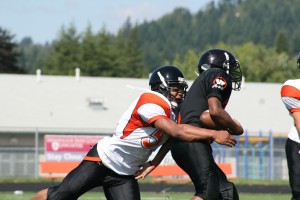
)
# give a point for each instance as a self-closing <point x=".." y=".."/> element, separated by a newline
<point x="174" y="104"/>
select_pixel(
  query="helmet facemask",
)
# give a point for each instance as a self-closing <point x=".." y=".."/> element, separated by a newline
<point x="233" y="69"/>
<point x="167" y="87"/>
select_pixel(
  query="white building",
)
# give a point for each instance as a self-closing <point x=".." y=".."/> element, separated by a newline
<point x="52" y="104"/>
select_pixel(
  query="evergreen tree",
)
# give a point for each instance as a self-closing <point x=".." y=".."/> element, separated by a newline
<point x="130" y="62"/>
<point x="106" y="55"/>
<point x="64" y="56"/>
<point x="32" y="56"/>
<point x="133" y="55"/>
<point x="244" y="24"/>
<point x="188" y="65"/>
<point x="282" y="43"/>
<point x="88" y="54"/>
<point x="8" y="53"/>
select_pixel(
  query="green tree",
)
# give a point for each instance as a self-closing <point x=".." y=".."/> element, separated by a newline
<point x="32" y="56"/>
<point x="130" y="62"/>
<point x="8" y="53"/>
<point x="106" y="55"/>
<point x="88" y="54"/>
<point x="64" y="56"/>
<point x="262" y="64"/>
<point x="258" y="63"/>
<point x="189" y="64"/>
<point x="282" y="43"/>
<point x="245" y="27"/>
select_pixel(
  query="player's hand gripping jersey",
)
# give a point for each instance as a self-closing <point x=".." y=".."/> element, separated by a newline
<point x="290" y="95"/>
<point x="135" y="137"/>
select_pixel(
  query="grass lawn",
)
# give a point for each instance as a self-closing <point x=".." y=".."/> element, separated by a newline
<point x="150" y="196"/>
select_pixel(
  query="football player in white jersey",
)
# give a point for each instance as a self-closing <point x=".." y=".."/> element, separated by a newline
<point x="290" y="95"/>
<point x="114" y="162"/>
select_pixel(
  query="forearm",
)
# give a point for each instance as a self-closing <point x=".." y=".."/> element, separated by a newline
<point x="161" y="153"/>
<point x="148" y="167"/>
<point x="191" y="133"/>
<point x="184" y="132"/>
<point x="223" y="119"/>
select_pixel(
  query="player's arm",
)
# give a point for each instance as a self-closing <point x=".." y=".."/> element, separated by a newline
<point x="148" y="167"/>
<point x="191" y="133"/>
<point x="292" y="104"/>
<point x="161" y="153"/>
<point x="222" y="118"/>
<point x="296" y="117"/>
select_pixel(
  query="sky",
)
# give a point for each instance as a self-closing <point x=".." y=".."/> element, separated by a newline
<point x="42" y="20"/>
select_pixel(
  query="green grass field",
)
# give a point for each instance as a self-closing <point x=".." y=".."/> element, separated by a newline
<point x="150" y="196"/>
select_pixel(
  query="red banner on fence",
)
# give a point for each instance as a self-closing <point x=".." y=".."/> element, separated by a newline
<point x="68" y="147"/>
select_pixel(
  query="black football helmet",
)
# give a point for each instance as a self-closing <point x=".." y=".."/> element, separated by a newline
<point x="298" y="61"/>
<point x="218" y="58"/>
<point x="163" y="78"/>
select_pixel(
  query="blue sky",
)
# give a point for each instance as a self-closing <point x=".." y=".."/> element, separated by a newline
<point x="42" y="19"/>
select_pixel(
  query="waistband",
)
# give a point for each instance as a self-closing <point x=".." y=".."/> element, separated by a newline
<point x="92" y="155"/>
<point x="91" y="158"/>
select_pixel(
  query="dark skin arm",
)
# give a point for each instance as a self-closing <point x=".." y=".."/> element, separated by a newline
<point x="148" y="167"/>
<point x="222" y="118"/>
<point x="184" y="132"/>
<point x="191" y="133"/>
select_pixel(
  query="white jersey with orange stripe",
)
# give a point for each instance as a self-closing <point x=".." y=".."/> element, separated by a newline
<point x="290" y="95"/>
<point x="135" y="137"/>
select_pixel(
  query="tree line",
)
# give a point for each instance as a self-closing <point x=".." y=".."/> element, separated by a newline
<point x="262" y="34"/>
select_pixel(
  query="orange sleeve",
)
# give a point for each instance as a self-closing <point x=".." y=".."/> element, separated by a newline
<point x="290" y="91"/>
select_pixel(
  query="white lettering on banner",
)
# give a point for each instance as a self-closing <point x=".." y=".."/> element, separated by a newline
<point x="73" y="157"/>
<point x="66" y="156"/>
<point x="54" y="157"/>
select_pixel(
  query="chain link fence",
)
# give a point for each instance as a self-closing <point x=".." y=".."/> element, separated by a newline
<point x="262" y="159"/>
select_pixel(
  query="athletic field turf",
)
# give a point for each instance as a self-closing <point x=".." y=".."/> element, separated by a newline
<point x="149" y="196"/>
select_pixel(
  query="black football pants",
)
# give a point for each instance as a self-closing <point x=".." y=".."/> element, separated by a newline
<point x="292" y="150"/>
<point x="196" y="159"/>
<point x="89" y="175"/>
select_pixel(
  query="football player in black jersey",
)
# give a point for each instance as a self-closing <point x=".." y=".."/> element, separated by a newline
<point x="219" y="74"/>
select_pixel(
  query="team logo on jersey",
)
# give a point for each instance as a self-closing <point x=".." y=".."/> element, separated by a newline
<point x="219" y="83"/>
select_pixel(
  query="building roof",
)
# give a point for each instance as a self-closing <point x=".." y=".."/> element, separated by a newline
<point x="95" y="104"/>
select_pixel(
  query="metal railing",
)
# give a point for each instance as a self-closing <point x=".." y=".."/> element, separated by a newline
<point x="254" y="157"/>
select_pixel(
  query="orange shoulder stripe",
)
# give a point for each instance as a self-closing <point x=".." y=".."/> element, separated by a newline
<point x="136" y="121"/>
<point x="292" y="110"/>
<point x="290" y="91"/>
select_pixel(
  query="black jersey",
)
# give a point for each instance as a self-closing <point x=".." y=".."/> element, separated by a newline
<point x="214" y="82"/>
